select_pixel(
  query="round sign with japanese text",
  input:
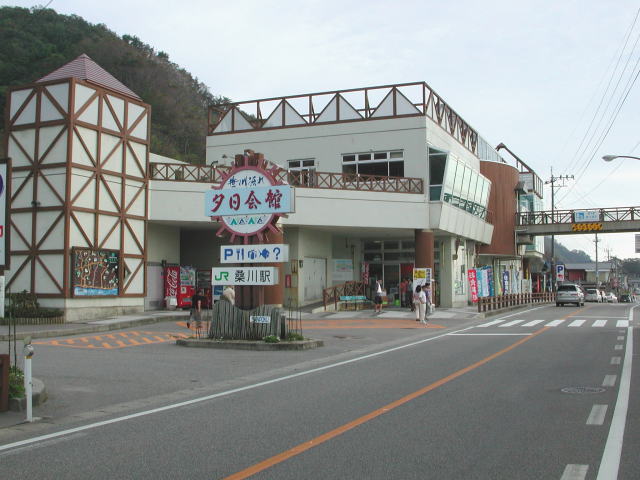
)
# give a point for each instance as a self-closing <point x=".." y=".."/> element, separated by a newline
<point x="249" y="200"/>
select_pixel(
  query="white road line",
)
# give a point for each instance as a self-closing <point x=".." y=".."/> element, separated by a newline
<point x="532" y="323"/>
<point x="576" y="323"/>
<point x="610" y="463"/>
<point x="597" y="415"/>
<point x="618" y="347"/>
<point x="488" y="324"/>
<point x="615" y="360"/>
<point x="574" y="472"/>
<point x="489" y="334"/>
<point x="621" y="337"/>
<point x="599" y="323"/>
<point x="554" y="323"/>
<point x="622" y="323"/>
<point x="609" y="380"/>
<point x="511" y="323"/>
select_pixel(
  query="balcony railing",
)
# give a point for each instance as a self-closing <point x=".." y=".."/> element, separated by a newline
<point x="303" y="179"/>
<point x="352" y="105"/>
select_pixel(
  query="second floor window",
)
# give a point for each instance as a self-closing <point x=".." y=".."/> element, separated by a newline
<point x="385" y="164"/>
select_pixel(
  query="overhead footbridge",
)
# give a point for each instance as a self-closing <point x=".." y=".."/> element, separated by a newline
<point x="571" y="222"/>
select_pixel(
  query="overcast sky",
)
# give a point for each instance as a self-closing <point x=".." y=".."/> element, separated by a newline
<point x="544" y="77"/>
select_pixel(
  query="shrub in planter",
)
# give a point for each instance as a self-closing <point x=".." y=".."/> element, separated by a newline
<point x="16" y="382"/>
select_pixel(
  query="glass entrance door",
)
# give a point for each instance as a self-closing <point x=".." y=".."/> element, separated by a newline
<point x="392" y="281"/>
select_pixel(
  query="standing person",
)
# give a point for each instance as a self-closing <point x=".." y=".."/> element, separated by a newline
<point x="378" y="297"/>
<point x="427" y="300"/>
<point x="416" y="302"/>
<point x="196" y="310"/>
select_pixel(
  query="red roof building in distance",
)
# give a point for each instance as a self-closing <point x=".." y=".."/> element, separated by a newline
<point x="83" y="68"/>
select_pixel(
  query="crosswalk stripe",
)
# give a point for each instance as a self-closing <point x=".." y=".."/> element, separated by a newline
<point x="599" y="323"/>
<point x="622" y="323"/>
<point x="576" y="323"/>
<point x="532" y="323"/>
<point x="554" y="323"/>
<point x="511" y="323"/>
<point x="488" y="324"/>
<point x="609" y="380"/>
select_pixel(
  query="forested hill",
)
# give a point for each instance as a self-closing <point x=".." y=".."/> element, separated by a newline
<point x="38" y="41"/>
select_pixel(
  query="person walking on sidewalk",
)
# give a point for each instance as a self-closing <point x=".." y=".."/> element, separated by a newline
<point x="378" y="297"/>
<point x="416" y="302"/>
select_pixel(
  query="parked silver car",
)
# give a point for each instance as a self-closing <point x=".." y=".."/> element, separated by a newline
<point x="569" y="293"/>
<point x="592" y="295"/>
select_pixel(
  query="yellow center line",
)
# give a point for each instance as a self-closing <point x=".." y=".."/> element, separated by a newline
<point x="303" y="447"/>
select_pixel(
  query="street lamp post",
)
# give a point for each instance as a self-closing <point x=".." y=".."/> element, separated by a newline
<point x="608" y="158"/>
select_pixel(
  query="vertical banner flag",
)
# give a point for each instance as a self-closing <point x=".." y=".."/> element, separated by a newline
<point x="473" y="284"/>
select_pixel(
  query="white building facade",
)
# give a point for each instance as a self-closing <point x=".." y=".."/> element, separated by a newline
<point x="386" y="179"/>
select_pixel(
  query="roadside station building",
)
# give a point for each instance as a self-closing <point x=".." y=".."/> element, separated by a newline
<point x="386" y="179"/>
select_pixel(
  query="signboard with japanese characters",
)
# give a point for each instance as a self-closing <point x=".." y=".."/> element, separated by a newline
<point x="263" y="253"/>
<point x="586" y="216"/>
<point x="4" y="208"/>
<point x="249" y="200"/>
<point x="244" y="276"/>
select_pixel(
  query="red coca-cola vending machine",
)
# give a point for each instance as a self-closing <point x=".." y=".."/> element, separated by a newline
<point x="179" y="286"/>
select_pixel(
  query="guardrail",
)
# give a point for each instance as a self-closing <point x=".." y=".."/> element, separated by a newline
<point x="349" y="289"/>
<point x="487" y="304"/>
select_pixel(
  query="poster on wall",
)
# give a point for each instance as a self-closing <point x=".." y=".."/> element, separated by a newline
<point x="342" y="270"/>
<point x="95" y="272"/>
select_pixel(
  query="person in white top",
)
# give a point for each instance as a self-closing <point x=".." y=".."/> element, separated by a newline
<point x="422" y="306"/>
<point x="378" y="297"/>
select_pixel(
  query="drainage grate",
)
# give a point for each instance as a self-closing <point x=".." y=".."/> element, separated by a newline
<point x="583" y="390"/>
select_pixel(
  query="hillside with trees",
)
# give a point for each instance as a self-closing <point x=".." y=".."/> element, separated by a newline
<point x="37" y="41"/>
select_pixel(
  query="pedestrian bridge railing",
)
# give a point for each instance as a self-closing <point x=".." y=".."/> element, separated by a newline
<point x="548" y="217"/>
<point x="487" y="304"/>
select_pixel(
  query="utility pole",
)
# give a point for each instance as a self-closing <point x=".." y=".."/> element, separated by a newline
<point x="552" y="181"/>
<point x="597" y="276"/>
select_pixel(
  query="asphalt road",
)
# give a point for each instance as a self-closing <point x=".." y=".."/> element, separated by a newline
<point x="482" y="399"/>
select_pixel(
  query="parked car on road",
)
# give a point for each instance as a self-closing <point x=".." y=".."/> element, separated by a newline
<point x="611" y="298"/>
<point x="592" y="295"/>
<point x="625" y="298"/>
<point x="569" y="293"/>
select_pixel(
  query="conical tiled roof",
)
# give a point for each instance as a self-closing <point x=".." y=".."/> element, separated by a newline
<point x="84" y="68"/>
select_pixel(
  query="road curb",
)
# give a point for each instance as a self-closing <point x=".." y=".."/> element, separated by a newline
<point x="92" y="328"/>
<point x="248" y="344"/>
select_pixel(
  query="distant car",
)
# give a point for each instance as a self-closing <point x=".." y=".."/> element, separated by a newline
<point x="625" y="298"/>
<point x="592" y="295"/>
<point x="569" y="293"/>
<point x="611" y="298"/>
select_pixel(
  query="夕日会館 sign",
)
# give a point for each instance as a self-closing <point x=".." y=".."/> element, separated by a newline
<point x="3" y="213"/>
<point x="244" y="276"/>
<point x="248" y="201"/>
<point x="260" y="253"/>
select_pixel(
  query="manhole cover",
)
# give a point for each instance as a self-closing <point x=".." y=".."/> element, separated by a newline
<point x="583" y="390"/>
